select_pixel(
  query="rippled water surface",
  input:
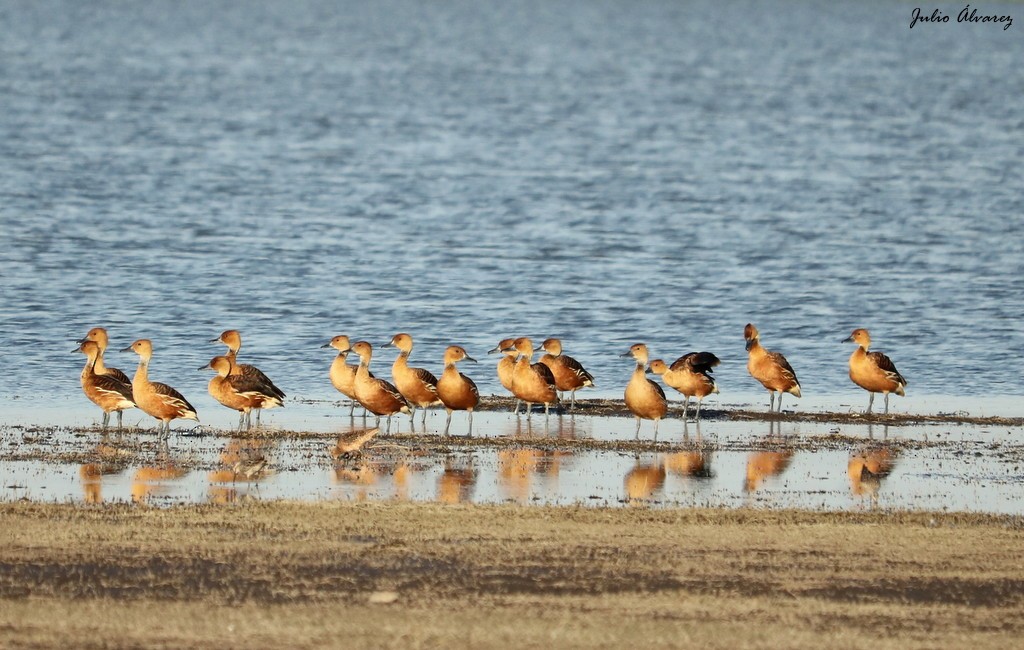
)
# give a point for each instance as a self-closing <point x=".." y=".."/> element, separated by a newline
<point x="604" y="172"/>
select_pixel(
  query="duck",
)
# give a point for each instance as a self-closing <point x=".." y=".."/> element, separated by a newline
<point x="417" y="385"/>
<point x="457" y="391"/>
<point x="238" y="392"/>
<point x="507" y="366"/>
<point x="769" y="368"/>
<point x="99" y="336"/>
<point x="644" y="398"/>
<point x="158" y="400"/>
<point x="570" y="375"/>
<point x="343" y="375"/>
<point x="233" y="339"/>
<point x="375" y="394"/>
<point x="873" y="371"/>
<point x="105" y="391"/>
<point x="533" y="383"/>
<point x="690" y="374"/>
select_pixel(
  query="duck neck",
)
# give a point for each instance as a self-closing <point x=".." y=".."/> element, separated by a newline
<point x="363" y="372"/>
<point x="142" y="372"/>
<point x="401" y="362"/>
<point x="90" y="366"/>
<point x="450" y="370"/>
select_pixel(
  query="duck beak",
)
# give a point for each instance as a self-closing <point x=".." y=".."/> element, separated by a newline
<point x="127" y="349"/>
<point x="386" y="345"/>
<point x="82" y="340"/>
<point x="750" y="344"/>
<point x="848" y="339"/>
<point x="469" y="358"/>
<point x="78" y="349"/>
<point x="325" y="345"/>
<point x="203" y="367"/>
<point x="627" y="353"/>
<point x="494" y="350"/>
<point x="648" y="371"/>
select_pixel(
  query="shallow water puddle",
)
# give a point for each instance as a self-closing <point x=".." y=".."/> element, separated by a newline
<point x="562" y="461"/>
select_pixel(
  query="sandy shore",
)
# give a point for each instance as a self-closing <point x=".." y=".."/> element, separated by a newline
<point x="427" y="575"/>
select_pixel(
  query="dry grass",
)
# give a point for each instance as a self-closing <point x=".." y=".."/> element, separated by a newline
<point x="304" y="575"/>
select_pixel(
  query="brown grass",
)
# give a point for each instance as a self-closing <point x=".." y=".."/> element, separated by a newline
<point x="306" y="575"/>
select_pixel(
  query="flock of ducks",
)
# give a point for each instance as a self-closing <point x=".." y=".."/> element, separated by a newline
<point x="245" y="388"/>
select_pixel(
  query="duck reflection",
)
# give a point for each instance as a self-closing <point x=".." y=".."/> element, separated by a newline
<point x="402" y="473"/>
<point x="695" y="463"/>
<point x="691" y="463"/>
<point x="568" y="428"/>
<point x="644" y="480"/>
<point x="762" y="465"/>
<point x="518" y="467"/>
<point x="110" y="460"/>
<point x="151" y="479"/>
<point x="867" y="468"/>
<point x="457" y="482"/>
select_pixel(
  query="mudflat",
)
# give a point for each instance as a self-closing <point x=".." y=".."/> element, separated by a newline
<point x="428" y="575"/>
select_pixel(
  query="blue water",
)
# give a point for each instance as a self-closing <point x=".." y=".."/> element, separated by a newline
<point x="605" y="172"/>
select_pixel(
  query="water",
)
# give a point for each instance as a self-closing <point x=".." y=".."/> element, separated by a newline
<point x="605" y="172"/>
<point x="718" y="464"/>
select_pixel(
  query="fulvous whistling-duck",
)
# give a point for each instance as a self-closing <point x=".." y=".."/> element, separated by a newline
<point x="690" y="374"/>
<point x="239" y="392"/>
<point x="456" y="390"/>
<point x="769" y="368"/>
<point x="156" y="399"/>
<point x="376" y="395"/>
<point x="233" y="340"/>
<point x="570" y="375"/>
<point x="644" y="397"/>
<point x="343" y="376"/>
<point x="532" y="382"/>
<point x="104" y="391"/>
<point x="873" y="371"/>
<point x="417" y="386"/>
<point x="99" y="336"/>
<point x="507" y="365"/>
